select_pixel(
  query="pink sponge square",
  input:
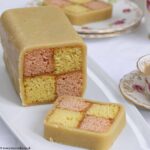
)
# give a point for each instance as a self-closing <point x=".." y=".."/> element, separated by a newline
<point x="70" y="84"/>
<point x="38" y="62"/>
<point x="95" y="124"/>
<point x="73" y="103"/>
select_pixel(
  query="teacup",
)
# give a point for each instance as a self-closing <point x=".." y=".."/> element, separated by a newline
<point x="143" y="65"/>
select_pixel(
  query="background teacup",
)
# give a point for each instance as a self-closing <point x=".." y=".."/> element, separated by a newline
<point x="143" y="65"/>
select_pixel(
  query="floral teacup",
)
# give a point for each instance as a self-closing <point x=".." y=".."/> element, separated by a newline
<point x="143" y="65"/>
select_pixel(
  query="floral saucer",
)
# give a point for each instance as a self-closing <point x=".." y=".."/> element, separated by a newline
<point x="125" y="15"/>
<point x="108" y="35"/>
<point x="135" y="87"/>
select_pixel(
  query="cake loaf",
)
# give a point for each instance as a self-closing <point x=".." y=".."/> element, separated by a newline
<point x="81" y="12"/>
<point x="84" y="123"/>
<point x="43" y="54"/>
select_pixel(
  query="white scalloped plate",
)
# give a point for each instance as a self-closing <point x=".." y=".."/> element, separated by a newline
<point x="126" y="14"/>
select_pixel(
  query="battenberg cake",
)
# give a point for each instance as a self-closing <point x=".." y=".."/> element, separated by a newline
<point x="44" y="56"/>
<point x="84" y="123"/>
<point x="81" y="12"/>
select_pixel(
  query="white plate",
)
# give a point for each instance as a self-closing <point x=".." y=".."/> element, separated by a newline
<point x="108" y="35"/>
<point x="27" y="122"/>
<point x="126" y="14"/>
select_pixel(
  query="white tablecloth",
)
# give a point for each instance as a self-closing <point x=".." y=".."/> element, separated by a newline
<point x="117" y="56"/>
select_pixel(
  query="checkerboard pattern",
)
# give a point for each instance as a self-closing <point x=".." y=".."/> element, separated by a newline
<point x="73" y="112"/>
<point x="52" y="72"/>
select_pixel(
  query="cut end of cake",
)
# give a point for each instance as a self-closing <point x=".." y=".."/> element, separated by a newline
<point x="52" y="72"/>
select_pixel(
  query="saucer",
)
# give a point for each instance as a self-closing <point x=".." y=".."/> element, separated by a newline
<point x="108" y="35"/>
<point x="135" y="87"/>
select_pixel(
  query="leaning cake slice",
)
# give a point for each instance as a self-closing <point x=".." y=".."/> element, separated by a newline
<point x="44" y="56"/>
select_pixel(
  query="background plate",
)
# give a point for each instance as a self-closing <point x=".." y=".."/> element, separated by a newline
<point x="125" y="15"/>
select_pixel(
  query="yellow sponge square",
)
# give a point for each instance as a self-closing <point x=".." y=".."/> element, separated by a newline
<point x="76" y="9"/>
<point x="39" y="89"/>
<point x="80" y="1"/>
<point x="65" y="118"/>
<point x="67" y="59"/>
<point x="102" y="110"/>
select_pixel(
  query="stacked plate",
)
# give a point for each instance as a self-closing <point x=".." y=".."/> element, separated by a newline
<point x="126" y="17"/>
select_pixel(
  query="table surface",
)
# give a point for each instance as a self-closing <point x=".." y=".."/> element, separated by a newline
<point x="116" y="56"/>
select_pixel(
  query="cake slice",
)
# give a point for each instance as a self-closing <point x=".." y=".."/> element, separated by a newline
<point x="81" y="12"/>
<point x="84" y="123"/>
<point x="44" y="56"/>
